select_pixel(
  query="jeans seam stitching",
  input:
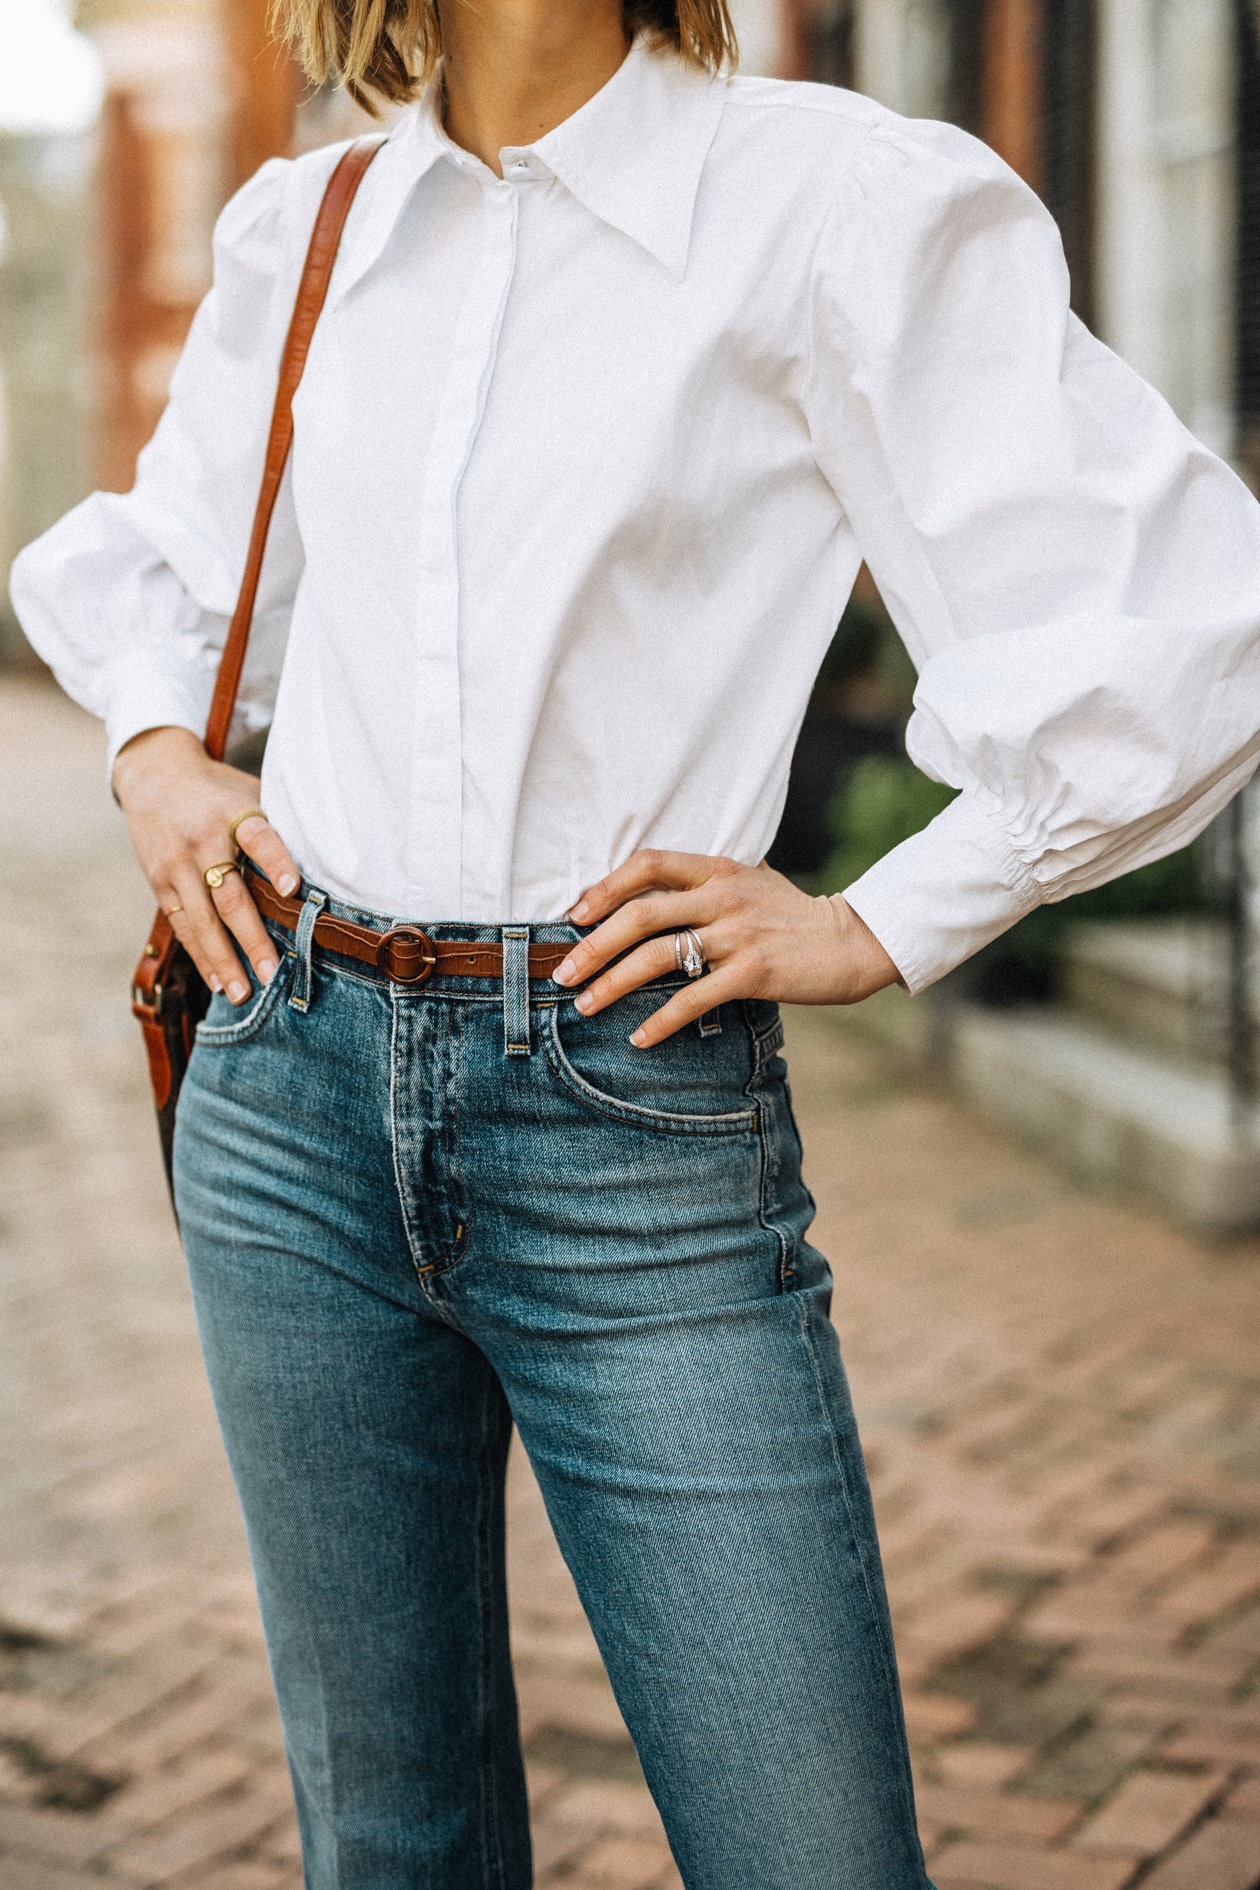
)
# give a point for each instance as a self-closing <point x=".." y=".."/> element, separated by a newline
<point x="458" y="1165"/>
<point x="766" y="1044"/>
<point x="332" y="970"/>
<point x="399" y="1185"/>
<point x="771" y="1226"/>
<point x="889" y="1670"/>
<point x="459" y="1246"/>
<point x="490" y="1833"/>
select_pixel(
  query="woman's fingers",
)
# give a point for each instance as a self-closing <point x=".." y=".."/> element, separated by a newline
<point x="186" y="933"/>
<point x="233" y="912"/>
<point x="648" y="870"/>
<point x="200" y="931"/>
<point x="259" y="839"/>
<point x="652" y="892"/>
<point x="239" y="914"/>
<point x="203" y="925"/>
<point x="179" y="806"/>
<point x="650" y="961"/>
<point x="701" y="995"/>
<point x="761" y="935"/>
<point x="207" y="923"/>
<point x="658" y="912"/>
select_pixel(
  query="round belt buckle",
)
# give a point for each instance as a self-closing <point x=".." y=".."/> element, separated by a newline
<point x="406" y="955"/>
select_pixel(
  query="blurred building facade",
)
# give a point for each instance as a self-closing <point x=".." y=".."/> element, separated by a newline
<point x="108" y="249"/>
<point x="45" y="392"/>
<point x="197" y="97"/>
<point x="1138" y="122"/>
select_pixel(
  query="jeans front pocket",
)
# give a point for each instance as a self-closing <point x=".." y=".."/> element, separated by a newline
<point x="226" y="1026"/>
<point x="688" y="1085"/>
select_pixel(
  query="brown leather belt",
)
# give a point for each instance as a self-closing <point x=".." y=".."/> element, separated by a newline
<point x="405" y="954"/>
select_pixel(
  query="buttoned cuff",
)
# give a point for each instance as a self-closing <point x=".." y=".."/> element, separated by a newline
<point x="141" y="694"/>
<point x="945" y="892"/>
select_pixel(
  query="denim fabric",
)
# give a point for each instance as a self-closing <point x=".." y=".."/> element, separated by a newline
<point x="414" y="1216"/>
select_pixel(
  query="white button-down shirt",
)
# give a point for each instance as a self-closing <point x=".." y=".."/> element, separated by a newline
<point x="586" y="460"/>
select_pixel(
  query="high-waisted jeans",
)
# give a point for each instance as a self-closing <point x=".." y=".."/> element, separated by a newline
<point x="416" y="1216"/>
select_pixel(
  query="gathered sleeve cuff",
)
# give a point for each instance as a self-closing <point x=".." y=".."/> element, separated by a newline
<point x="945" y="892"/>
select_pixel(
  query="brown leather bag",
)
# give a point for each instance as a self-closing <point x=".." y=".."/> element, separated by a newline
<point x="168" y="993"/>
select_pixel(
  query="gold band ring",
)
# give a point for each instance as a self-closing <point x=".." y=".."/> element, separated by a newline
<point x="172" y="910"/>
<point x="214" y="876"/>
<point x="250" y="813"/>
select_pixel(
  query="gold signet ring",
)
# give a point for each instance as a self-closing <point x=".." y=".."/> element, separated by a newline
<point x="214" y="876"/>
<point x="250" y="813"/>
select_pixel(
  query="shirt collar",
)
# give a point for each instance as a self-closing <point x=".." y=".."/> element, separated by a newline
<point x="412" y="148"/>
<point x="633" y="155"/>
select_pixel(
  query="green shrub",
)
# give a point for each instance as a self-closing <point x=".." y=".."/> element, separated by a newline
<point x="882" y="803"/>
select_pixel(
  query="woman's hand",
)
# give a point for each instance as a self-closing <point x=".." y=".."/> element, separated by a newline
<point x="178" y="804"/>
<point x="762" y="936"/>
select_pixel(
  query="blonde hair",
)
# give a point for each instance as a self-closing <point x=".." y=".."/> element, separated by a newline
<point x="387" y="49"/>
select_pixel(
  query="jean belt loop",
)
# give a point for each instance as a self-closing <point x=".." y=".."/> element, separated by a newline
<point x="300" y="995"/>
<point x="516" y="1037"/>
<point x="711" y="1024"/>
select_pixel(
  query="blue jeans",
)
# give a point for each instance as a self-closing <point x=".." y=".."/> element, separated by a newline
<point x="414" y="1216"/>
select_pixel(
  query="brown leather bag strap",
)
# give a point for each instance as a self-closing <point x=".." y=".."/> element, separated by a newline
<point x="154" y="972"/>
<point x="316" y="274"/>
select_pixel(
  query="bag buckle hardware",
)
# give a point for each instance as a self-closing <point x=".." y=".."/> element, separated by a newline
<point x="147" y="1006"/>
<point x="406" y="955"/>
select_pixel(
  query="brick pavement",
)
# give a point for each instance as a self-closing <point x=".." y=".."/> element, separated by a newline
<point x="1060" y="1398"/>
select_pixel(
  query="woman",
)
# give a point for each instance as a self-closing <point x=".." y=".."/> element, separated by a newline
<point x="625" y="365"/>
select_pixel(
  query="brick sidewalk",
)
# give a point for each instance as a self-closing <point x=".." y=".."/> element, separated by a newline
<point x="1060" y="1399"/>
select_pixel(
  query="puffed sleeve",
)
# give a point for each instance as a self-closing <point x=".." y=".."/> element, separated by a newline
<point x="128" y="597"/>
<point x="1076" y="578"/>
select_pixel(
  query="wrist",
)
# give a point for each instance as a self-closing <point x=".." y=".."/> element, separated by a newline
<point x="151" y="750"/>
<point x="867" y="966"/>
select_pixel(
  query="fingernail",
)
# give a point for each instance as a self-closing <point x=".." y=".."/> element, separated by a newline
<point x="563" y="973"/>
<point x="286" y="884"/>
<point x="238" y="992"/>
<point x="215" y="984"/>
<point x="638" y="1039"/>
<point x="267" y="970"/>
<point x="584" y="1002"/>
<point x="580" y="911"/>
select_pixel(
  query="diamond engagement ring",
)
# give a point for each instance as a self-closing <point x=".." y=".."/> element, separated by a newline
<point x="689" y="953"/>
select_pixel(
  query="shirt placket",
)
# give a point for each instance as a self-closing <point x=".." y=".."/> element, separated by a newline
<point x="435" y="850"/>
